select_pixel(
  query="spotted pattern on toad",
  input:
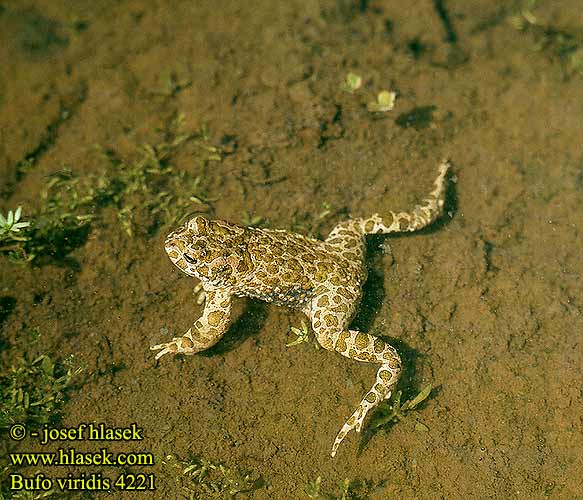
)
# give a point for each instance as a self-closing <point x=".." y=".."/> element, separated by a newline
<point x="321" y="278"/>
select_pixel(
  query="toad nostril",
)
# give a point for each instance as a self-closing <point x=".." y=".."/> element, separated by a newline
<point x="189" y="259"/>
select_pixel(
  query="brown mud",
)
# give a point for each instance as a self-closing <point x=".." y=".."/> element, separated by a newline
<point x="486" y="304"/>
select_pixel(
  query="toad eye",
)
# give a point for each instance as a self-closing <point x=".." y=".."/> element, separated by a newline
<point x="189" y="259"/>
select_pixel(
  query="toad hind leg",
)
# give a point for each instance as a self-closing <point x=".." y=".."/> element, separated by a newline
<point x="362" y="347"/>
<point x="420" y="217"/>
<point x="386" y="380"/>
<point x="206" y="331"/>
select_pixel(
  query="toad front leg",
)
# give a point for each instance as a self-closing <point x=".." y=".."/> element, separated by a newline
<point x="206" y="331"/>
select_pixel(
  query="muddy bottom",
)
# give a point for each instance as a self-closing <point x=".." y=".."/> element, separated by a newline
<point x="119" y="121"/>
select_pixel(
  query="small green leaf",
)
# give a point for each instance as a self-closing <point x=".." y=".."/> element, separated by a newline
<point x="385" y="102"/>
<point x="301" y="334"/>
<point x="19" y="225"/>
<point x="422" y="396"/>
<point x="353" y="82"/>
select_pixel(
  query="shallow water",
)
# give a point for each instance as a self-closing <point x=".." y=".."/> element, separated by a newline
<point x="484" y="305"/>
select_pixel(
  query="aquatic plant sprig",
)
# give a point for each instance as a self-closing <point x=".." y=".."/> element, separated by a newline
<point x="14" y="234"/>
<point x="396" y="411"/>
<point x="33" y="391"/>
<point x="202" y="478"/>
<point x="11" y="224"/>
<point x="563" y="44"/>
<point x="301" y="335"/>
<point x="345" y="490"/>
<point x="385" y="102"/>
<point x="252" y="220"/>
<point x="352" y="83"/>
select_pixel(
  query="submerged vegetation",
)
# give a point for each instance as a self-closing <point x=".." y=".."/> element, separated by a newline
<point x="314" y="490"/>
<point x="397" y="411"/>
<point x="352" y="84"/>
<point x="31" y="391"/>
<point x="31" y="394"/>
<point x="301" y="334"/>
<point x="563" y="44"/>
<point x="385" y="102"/>
<point x="199" y="478"/>
<point x="346" y="490"/>
<point x="146" y="188"/>
<point x="11" y="236"/>
<point x="9" y="225"/>
<point x="311" y="224"/>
